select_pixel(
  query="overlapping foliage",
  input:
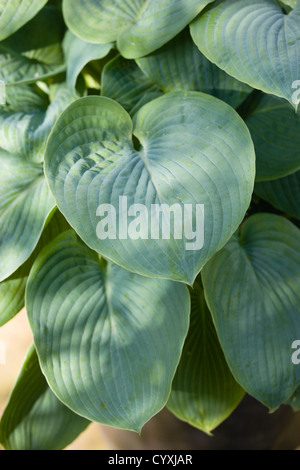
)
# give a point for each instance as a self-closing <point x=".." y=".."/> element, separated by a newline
<point x="189" y="102"/>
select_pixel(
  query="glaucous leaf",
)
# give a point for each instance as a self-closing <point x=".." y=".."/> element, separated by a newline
<point x="25" y="199"/>
<point x="252" y="290"/>
<point x="34" y="52"/>
<point x="12" y="290"/>
<point x="139" y="27"/>
<point x="204" y="392"/>
<point x="274" y="127"/>
<point x="100" y="333"/>
<point x="254" y="41"/>
<point x="283" y="193"/>
<point x="15" y="13"/>
<point x="195" y="151"/>
<point x="179" y="65"/>
<point x="34" y="419"/>
<point x="79" y="53"/>
<point x="123" y="81"/>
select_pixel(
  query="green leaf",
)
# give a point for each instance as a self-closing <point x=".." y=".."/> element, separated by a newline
<point x="34" y="419"/>
<point x="139" y="27"/>
<point x="283" y="193"/>
<point x="290" y="3"/>
<point x="274" y="127"/>
<point x="254" y="41"/>
<point x="35" y="51"/>
<point x="79" y="53"/>
<point x="252" y="290"/>
<point x="195" y="150"/>
<point x="25" y="199"/>
<point x="100" y="333"/>
<point x="294" y="400"/>
<point x="15" y="13"/>
<point x="123" y="81"/>
<point x="204" y="392"/>
<point x="179" y="65"/>
<point x="12" y="290"/>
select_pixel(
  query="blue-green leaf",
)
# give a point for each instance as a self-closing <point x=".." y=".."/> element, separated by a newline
<point x="274" y="127"/>
<point x="139" y="27"/>
<point x="100" y="333"/>
<point x="283" y="193"/>
<point x="34" y="52"/>
<point x="34" y="419"/>
<point x="204" y="392"/>
<point x="254" y="41"/>
<point x="25" y="199"/>
<point x="179" y="65"/>
<point x="195" y="151"/>
<point x="123" y="81"/>
<point x="79" y="53"/>
<point x="12" y="290"/>
<point x="252" y="290"/>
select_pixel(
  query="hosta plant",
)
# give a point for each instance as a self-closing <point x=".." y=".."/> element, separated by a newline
<point x="149" y="210"/>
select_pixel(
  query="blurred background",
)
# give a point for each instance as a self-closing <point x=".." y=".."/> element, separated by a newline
<point x="249" y="427"/>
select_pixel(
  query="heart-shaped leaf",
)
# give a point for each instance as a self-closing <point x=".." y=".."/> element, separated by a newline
<point x="204" y="392"/>
<point x="123" y="81"/>
<point x="34" y="419"/>
<point x="179" y="65"/>
<point x="254" y="41"/>
<point x="139" y="27"/>
<point x="25" y="200"/>
<point x="12" y="290"/>
<point x="100" y="333"/>
<point x="274" y="127"/>
<point x="78" y="53"/>
<point x="252" y="290"/>
<point x="283" y="193"/>
<point x="196" y="151"/>
<point x="35" y="51"/>
<point x="15" y="13"/>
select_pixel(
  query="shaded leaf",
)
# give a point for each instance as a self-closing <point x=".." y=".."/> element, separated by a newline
<point x="35" y="51"/>
<point x="274" y="127"/>
<point x="179" y="65"/>
<point x="283" y="193"/>
<point x="123" y="81"/>
<point x="294" y="400"/>
<point x="100" y="333"/>
<point x="78" y="53"/>
<point x="34" y="419"/>
<point x="12" y="290"/>
<point x="15" y="13"/>
<point x="25" y="199"/>
<point x="204" y="392"/>
<point x="252" y="290"/>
